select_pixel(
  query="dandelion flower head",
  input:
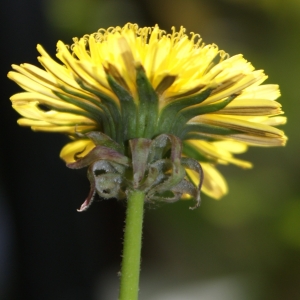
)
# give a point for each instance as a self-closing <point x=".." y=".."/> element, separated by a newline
<point x="130" y="82"/>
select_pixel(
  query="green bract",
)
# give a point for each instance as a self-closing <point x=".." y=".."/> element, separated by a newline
<point x="156" y="167"/>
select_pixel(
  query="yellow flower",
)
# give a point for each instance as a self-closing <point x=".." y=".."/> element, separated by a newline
<point x="130" y="82"/>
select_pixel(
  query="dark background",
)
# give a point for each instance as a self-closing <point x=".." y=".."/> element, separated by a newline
<point x="246" y="246"/>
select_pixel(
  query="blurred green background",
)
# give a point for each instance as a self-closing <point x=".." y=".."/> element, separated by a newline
<point x="246" y="246"/>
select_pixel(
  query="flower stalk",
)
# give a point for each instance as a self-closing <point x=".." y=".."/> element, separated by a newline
<point x="130" y="271"/>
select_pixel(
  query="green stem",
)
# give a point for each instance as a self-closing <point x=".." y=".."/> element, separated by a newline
<point x="130" y="271"/>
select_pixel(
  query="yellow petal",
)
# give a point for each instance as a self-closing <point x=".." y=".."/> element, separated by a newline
<point x="251" y="140"/>
<point x="70" y="130"/>
<point x="231" y="146"/>
<point x="30" y="85"/>
<point x="241" y="125"/>
<point x="220" y="154"/>
<point x="251" y="107"/>
<point x="266" y="91"/>
<point x="260" y="141"/>
<point x="37" y="125"/>
<point x="236" y="87"/>
<point x="275" y="121"/>
<point x="22" y="98"/>
<point x="69" y="151"/>
<point x="214" y="185"/>
<point x="36" y="74"/>
<point x="90" y="74"/>
<point x="59" y="71"/>
<point x="31" y="111"/>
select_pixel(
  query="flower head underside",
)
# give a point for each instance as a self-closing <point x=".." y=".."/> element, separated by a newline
<point x="130" y="82"/>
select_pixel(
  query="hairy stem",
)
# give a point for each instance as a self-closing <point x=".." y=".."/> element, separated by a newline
<point x="130" y="270"/>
